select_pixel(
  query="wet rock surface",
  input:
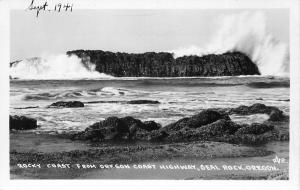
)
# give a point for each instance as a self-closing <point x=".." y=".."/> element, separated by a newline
<point x="274" y="113"/>
<point x="69" y="104"/>
<point x="22" y="123"/>
<point x="114" y="128"/>
<point x="203" y="118"/>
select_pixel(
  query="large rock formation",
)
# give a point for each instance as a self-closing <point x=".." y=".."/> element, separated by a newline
<point x="163" y="64"/>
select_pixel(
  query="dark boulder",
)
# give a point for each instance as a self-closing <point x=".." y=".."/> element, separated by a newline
<point x="274" y="113"/>
<point x="211" y="131"/>
<point x="254" y="128"/>
<point x="22" y="123"/>
<point x="158" y="135"/>
<point x="255" y="133"/>
<point x="225" y="131"/>
<point x="94" y="135"/>
<point x="144" y="135"/>
<point x="110" y="128"/>
<point x="180" y="124"/>
<point x="143" y="102"/>
<point x="70" y="104"/>
<point x="203" y="118"/>
<point x="114" y="128"/>
<point x="277" y="115"/>
<point x="219" y="128"/>
<point x="151" y="125"/>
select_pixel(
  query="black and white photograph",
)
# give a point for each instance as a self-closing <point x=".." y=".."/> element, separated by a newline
<point x="150" y="94"/>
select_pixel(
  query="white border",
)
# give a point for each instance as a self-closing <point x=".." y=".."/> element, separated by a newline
<point x="293" y="183"/>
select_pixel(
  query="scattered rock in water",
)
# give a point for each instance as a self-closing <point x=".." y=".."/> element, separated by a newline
<point x="274" y="113"/>
<point x="70" y="104"/>
<point x="143" y="102"/>
<point x="22" y="123"/>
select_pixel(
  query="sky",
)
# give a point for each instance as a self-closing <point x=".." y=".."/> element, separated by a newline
<point x="132" y="31"/>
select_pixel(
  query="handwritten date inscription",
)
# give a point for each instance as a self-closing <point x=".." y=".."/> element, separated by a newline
<point x="46" y="7"/>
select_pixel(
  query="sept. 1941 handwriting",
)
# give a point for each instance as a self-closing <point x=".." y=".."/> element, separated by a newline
<point x="58" y="7"/>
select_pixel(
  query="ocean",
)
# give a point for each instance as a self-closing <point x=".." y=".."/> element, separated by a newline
<point x="178" y="98"/>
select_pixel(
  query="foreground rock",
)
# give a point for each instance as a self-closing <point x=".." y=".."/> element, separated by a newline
<point x="225" y="131"/>
<point x="22" y="123"/>
<point x="274" y="113"/>
<point x="70" y="104"/>
<point x="208" y="125"/>
<point x="164" y="64"/>
<point x="114" y="128"/>
<point x="203" y="118"/>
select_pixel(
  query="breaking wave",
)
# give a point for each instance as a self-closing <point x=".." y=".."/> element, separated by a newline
<point x="246" y="32"/>
<point x="54" y="67"/>
<point x="101" y="92"/>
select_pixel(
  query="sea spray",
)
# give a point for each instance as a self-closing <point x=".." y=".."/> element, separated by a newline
<point x="246" y="32"/>
<point x="55" y="67"/>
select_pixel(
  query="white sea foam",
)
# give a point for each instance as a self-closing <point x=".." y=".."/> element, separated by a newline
<point x="246" y="32"/>
<point x="55" y="67"/>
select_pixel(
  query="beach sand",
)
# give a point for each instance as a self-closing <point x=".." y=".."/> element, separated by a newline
<point x="53" y="152"/>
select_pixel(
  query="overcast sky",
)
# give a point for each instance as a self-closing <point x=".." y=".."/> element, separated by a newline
<point x="123" y="30"/>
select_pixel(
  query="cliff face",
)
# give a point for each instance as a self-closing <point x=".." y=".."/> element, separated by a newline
<point x="163" y="64"/>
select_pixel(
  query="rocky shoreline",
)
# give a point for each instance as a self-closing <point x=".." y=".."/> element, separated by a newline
<point x="208" y="134"/>
<point x="208" y="125"/>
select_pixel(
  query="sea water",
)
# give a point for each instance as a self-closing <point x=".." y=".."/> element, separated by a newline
<point x="178" y="97"/>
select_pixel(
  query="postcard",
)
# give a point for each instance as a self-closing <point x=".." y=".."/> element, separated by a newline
<point x="152" y="90"/>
